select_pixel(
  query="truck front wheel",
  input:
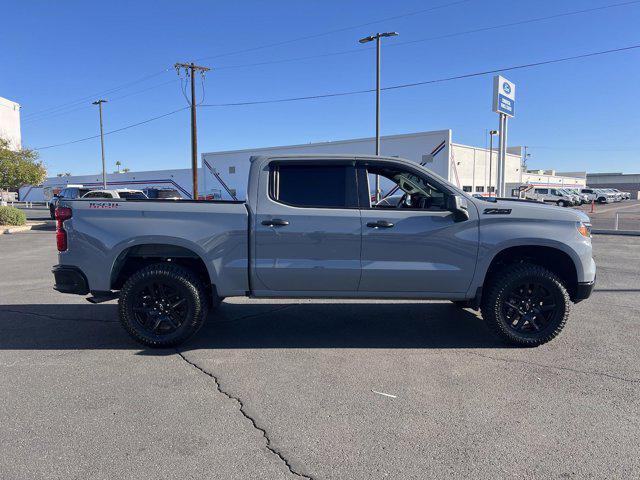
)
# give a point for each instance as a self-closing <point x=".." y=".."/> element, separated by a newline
<point x="162" y="305"/>
<point x="526" y="305"/>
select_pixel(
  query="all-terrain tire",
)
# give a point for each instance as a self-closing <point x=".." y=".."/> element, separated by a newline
<point x="493" y="304"/>
<point x="185" y="285"/>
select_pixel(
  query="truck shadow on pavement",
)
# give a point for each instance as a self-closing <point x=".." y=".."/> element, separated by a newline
<point x="309" y="324"/>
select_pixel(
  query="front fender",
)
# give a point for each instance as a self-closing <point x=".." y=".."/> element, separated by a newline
<point x="560" y="235"/>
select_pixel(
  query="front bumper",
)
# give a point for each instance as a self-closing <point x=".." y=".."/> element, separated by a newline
<point x="583" y="291"/>
<point x="70" y="279"/>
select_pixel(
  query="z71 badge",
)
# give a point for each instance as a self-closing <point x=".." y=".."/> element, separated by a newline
<point x="497" y="211"/>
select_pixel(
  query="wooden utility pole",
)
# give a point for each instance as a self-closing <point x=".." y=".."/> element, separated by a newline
<point x="191" y="69"/>
<point x="104" y="168"/>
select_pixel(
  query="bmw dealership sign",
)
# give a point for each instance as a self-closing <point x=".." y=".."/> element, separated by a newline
<point x="504" y="96"/>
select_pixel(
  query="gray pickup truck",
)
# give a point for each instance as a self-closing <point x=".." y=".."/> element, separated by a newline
<point x="310" y="228"/>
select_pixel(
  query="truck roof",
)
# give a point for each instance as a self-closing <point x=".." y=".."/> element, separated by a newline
<point x="325" y="156"/>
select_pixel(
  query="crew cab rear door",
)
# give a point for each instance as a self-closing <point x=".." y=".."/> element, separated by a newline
<point x="419" y="249"/>
<point x="306" y="228"/>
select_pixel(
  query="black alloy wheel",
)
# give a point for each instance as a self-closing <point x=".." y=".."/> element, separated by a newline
<point x="529" y="307"/>
<point x="163" y="304"/>
<point x="160" y="307"/>
<point x="525" y="304"/>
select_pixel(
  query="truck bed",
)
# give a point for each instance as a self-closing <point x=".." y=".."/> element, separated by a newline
<point x="102" y="231"/>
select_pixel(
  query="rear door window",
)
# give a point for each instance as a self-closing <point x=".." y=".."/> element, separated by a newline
<point x="132" y="195"/>
<point x="319" y="186"/>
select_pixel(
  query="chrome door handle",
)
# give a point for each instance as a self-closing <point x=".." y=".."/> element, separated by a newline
<point x="275" y="222"/>
<point x="380" y="224"/>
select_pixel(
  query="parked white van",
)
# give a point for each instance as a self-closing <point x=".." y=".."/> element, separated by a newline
<point x="556" y="196"/>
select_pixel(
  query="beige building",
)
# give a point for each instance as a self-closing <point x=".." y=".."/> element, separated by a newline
<point x="10" y="123"/>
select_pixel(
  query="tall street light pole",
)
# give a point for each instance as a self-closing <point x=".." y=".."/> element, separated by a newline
<point x="491" y="134"/>
<point x="104" y="168"/>
<point x="368" y="39"/>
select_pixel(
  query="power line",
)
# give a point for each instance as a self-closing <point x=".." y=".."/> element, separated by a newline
<point x="356" y="92"/>
<point x="331" y="32"/>
<point x="83" y="107"/>
<point x="127" y="127"/>
<point x="61" y="107"/>
<point x="426" y="82"/>
<point x="437" y="37"/>
<point x="516" y="23"/>
<point x="98" y="94"/>
<point x="260" y="47"/>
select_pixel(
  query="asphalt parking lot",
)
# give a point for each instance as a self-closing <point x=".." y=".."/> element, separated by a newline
<point x="287" y="389"/>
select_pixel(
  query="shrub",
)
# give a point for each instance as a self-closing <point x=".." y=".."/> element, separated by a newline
<point x="12" y="216"/>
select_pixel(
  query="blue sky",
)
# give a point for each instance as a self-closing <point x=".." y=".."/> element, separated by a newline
<point x="578" y="115"/>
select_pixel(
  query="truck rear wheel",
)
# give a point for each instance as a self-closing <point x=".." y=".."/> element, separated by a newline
<point x="162" y="305"/>
<point x="526" y="305"/>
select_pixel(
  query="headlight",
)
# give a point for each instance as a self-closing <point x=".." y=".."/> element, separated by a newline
<point x="584" y="229"/>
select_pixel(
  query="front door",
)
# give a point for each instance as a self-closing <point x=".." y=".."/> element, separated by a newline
<point x="410" y="242"/>
<point x="307" y="228"/>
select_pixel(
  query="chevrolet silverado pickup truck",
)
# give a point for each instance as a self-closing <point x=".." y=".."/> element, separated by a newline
<point x="310" y="228"/>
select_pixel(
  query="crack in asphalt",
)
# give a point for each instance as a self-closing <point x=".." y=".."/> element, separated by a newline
<point x="53" y="317"/>
<point x="554" y="367"/>
<point x="269" y="445"/>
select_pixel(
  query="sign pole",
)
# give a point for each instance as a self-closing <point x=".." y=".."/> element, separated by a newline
<point x="502" y="156"/>
<point x="504" y="105"/>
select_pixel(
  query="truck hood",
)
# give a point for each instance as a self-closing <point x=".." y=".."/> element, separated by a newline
<point x="529" y="210"/>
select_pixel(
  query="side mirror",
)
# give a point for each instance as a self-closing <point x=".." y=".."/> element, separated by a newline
<point x="458" y="205"/>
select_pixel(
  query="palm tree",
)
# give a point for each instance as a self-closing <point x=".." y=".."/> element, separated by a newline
<point x="118" y="166"/>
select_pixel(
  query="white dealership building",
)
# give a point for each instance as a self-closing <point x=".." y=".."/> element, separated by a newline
<point x="224" y="174"/>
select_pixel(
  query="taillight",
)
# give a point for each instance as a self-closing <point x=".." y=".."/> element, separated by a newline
<point x="62" y="214"/>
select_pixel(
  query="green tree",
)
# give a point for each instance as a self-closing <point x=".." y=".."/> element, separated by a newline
<point x="19" y="167"/>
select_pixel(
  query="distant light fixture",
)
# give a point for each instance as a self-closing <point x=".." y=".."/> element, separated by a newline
<point x="371" y="38"/>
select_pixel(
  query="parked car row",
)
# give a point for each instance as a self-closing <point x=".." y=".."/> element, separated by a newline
<point x="605" y="195"/>
<point x="569" y="197"/>
<point x="73" y="192"/>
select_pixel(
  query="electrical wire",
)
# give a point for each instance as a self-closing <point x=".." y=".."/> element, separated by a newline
<point x="426" y="82"/>
<point x="65" y="105"/>
<point x="114" y="131"/>
<point x="331" y="32"/>
<point x="355" y="92"/>
<point x="396" y="44"/>
<point x="61" y="107"/>
<point x="98" y="94"/>
<point x="84" y="107"/>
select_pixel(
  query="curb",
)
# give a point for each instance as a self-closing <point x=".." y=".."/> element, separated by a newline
<point x="23" y="228"/>
<point x="633" y="233"/>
